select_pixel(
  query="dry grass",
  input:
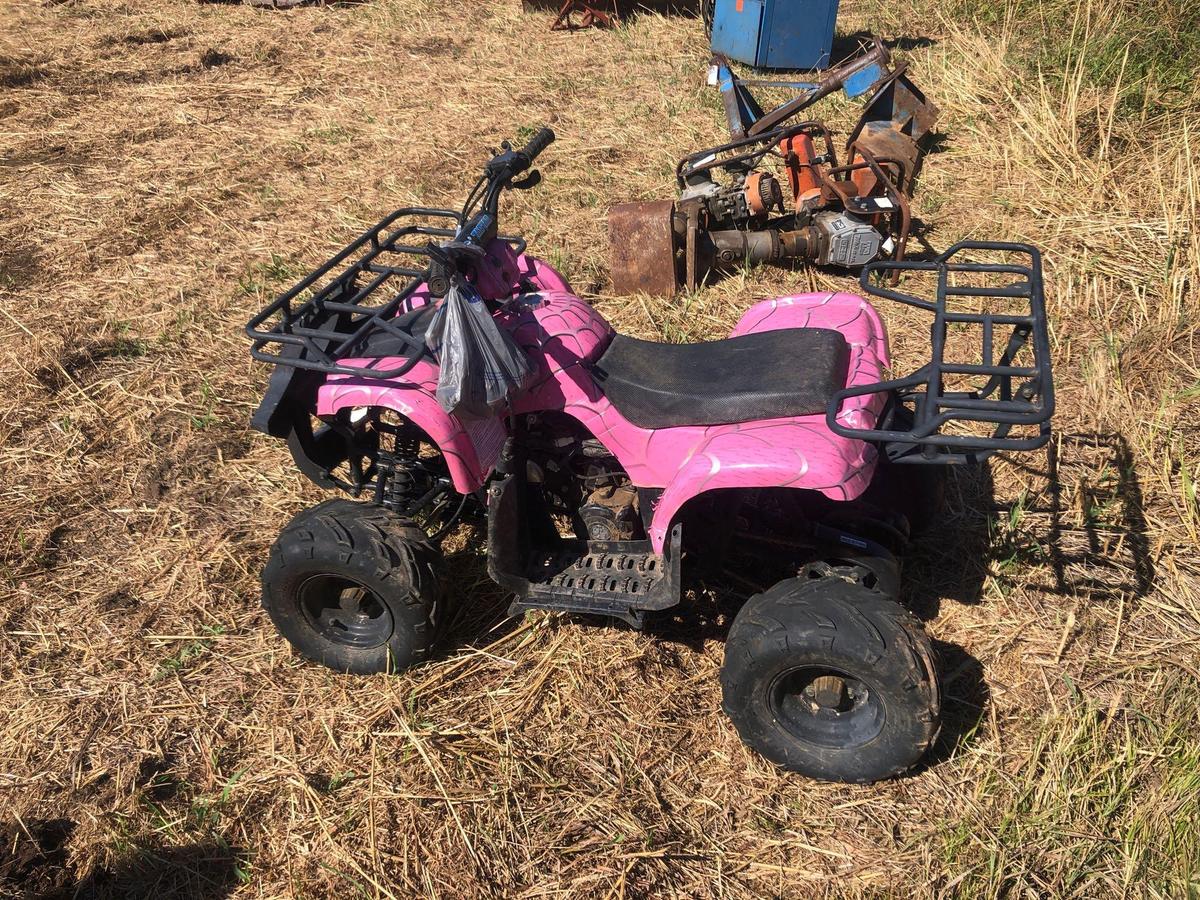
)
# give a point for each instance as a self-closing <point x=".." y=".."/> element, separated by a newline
<point x="164" y="166"/>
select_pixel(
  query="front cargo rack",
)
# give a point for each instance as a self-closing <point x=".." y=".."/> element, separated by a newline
<point x="921" y="416"/>
<point x="327" y="318"/>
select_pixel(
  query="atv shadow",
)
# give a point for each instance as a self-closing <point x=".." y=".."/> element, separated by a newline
<point x="1082" y="535"/>
<point x="1094" y="519"/>
<point x="948" y="558"/>
<point x="1080" y="532"/>
<point x="965" y="698"/>
<point x="34" y="863"/>
<point x="476" y="613"/>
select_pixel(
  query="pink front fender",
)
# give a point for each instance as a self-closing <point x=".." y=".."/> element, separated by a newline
<point x="471" y="448"/>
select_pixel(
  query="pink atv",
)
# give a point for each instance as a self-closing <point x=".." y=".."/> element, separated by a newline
<point x="782" y="448"/>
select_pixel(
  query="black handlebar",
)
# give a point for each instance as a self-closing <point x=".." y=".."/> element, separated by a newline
<point x="539" y="142"/>
<point x="479" y="220"/>
<point x="509" y="163"/>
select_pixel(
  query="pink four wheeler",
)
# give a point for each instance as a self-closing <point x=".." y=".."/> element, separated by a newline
<point x="784" y="446"/>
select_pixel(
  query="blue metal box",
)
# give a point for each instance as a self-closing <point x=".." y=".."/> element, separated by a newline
<point x="775" y="34"/>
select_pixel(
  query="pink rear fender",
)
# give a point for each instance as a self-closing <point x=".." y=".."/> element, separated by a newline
<point x="687" y="461"/>
<point x="796" y="452"/>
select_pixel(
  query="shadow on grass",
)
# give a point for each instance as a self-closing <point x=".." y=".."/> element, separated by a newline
<point x="34" y="864"/>
<point x="849" y="45"/>
<point x="628" y="10"/>
<point x="1100" y="553"/>
<point x="965" y="697"/>
<point x="1086" y="528"/>
<point x="950" y="555"/>
<point x="476" y="610"/>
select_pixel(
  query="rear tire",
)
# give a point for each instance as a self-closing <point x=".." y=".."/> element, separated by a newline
<point x="832" y="680"/>
<point x="876" y="573"/>
<point x="353" y="587"/>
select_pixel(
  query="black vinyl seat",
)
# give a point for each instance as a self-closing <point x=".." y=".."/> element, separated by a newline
<point x="766" y="375"/>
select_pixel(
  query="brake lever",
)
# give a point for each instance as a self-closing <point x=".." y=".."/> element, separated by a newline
<point x="533" y="179"/>
<point x="502" y="161"/>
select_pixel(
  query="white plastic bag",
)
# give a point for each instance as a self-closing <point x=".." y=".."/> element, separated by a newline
<point x="481" y="366"/>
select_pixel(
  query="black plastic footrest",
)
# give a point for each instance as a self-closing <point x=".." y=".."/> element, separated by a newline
<point x="621" y="579"/>
<point x="598" y="571"/>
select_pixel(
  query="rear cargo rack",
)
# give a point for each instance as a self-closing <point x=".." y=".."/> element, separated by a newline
<point x="327" y="317"/>
<point x="1014" y="395"/>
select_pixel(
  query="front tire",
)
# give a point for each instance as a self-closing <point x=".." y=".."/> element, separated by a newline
<point x="832" y="680"/>
<point x="353" y="587"/>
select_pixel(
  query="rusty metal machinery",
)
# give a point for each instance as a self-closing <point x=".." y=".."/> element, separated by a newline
<point x="573" y="15"/>
<point x="590" y="15"/>
<point x="734" y="207"/>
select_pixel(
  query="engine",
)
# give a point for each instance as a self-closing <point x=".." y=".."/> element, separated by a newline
<point x="579" y="480"/>
<point x="747" y="197"/>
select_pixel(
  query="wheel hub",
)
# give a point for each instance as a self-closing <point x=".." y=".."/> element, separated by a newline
<point x="827" y="707"/>
<point x="829" y="692"/>
<point x="345" y="612"/>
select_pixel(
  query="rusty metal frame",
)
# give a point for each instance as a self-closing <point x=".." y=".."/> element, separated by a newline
<point x="901" y="216"/>
<point x="833" y="179"/>
<point x="590" y="15"/>
<point x="699" y="161"/>
<point x="923" y="116"/>
<point x="876" y="55"/>
<point x="894" y="174"/>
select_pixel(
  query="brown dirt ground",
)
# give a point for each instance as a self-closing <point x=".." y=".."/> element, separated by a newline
<point x="164" y="167"/>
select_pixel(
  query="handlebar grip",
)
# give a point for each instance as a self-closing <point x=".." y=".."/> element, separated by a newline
<point x="539" y="142"/>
